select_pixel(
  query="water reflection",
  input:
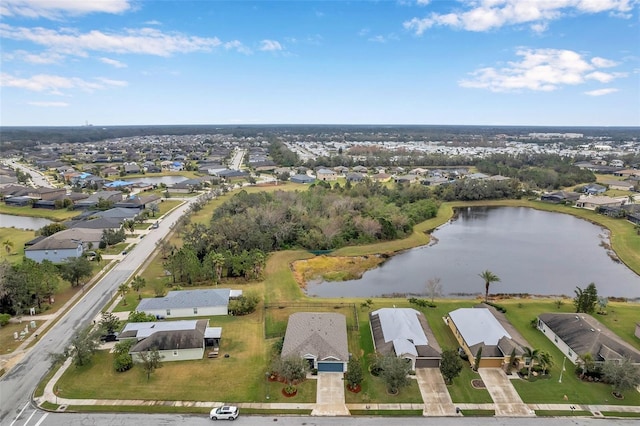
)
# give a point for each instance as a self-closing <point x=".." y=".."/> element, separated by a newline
<point x="534" y="252"/>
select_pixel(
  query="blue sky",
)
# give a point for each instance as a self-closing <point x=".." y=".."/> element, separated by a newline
<point x="471" y="62"/>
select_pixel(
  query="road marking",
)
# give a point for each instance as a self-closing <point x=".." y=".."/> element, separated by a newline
<point x="19" y="414"/>
<point x="29" y="419"/>
<point x="42" y="419"/>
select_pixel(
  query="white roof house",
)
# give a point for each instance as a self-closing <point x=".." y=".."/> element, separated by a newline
<point x="478" y="325"/>
<point x="404" y="332"/>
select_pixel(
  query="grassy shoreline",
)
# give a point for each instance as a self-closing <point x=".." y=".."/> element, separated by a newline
<point x="624" y="240"/>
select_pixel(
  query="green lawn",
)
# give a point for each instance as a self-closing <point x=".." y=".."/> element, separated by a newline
<point x="547" y="389"/>
<point x="18" y="238"/>
<point x="55" y="215"/>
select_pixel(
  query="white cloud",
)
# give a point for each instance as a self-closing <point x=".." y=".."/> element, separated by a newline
<point x="153" y="22"/>
<point x="270" y="46"/>
<point x="539" y="70"/>
<point x="486" y="15"/>
<point x="601" y="92"/>
<point x="48" y="104"/>
<point x="55" y="9"/>
<point x="237" y="46"/>
<point x="148" y="41"/>
<point x="603" y="63"/>
<point x="34" y="58"/>
<point x="113" y="62"/>
<point x="55" y="84"/>
<point x="423" y="2"/>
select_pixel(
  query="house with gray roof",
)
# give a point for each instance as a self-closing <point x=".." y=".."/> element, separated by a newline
<point x="484" y="328"/>
<point x="54" y="249"/>
<point x="189" y="303"/>
<point x="405" y="333"/>
<point x="174" y="340"/>
<point x="318" y="337"/>
<point x="302" y="179"/>
<point x="579" y="334"/>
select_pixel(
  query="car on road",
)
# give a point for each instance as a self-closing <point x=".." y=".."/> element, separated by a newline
<point x="226" y="412"/>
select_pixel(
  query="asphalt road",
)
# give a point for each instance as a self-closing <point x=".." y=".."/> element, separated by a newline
<point x="17" y="386"/>
<point x="37" y="178"/>
<point x="106" y="419"/>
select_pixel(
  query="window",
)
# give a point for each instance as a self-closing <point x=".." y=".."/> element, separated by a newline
<point x="195" y="311"/>
<point x="555" y="339"/>
<point x="570" y="353"/>
<point x="175" y="353"/>
<point x="168" y="311"/>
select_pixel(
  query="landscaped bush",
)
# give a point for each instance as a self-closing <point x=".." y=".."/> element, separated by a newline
<point x="244" y="304"/>
<point x="122" y="362"/>
<point x="423" y="303"/>
<point x="498" y="307"/>
<point x="4" y="319"/>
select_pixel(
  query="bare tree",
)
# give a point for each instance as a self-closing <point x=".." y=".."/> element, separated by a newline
<point x="434" y="288"/>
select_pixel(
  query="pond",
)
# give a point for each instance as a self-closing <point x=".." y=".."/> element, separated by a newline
<point x="532" y="251"/>
<point x="157" y="180"/>
<point x="22" y="222"/>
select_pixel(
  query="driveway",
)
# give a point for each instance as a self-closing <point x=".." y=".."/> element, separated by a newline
<point x="506" y="400"/>
<point x="330" y="395"/>
<point x="437" y="401"/>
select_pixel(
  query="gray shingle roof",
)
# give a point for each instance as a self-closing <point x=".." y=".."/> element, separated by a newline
<point x="174" y="339"/>
<point x="321" y="334"/>
<point x="584" y="334"/>
<point x="187" y="299"/>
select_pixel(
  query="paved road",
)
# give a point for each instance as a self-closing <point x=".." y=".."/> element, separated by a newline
<point x="18" y="384"/>
<point x="236" y="160"/>
<point x="107" y="419"/>
<point x="37" y="178"/>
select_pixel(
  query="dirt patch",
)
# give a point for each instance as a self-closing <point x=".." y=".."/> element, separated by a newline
<point x="334" y="268"/>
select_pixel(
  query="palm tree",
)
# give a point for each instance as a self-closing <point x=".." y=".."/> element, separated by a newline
<point x="546" y="361"/>
<point x="123" y="289"/>
<point x="138" y="283"/>
<point x="8" y="246"/>
<point x="533" y="355"/>
<point x="488" y="277"/>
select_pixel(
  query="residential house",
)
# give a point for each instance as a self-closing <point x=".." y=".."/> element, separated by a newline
<point x="94" y="199"/>
<point x="435" y="181"/>
<point x="117" y="213"/>
<point x="380" y="177"/>
<point x="110" y="172"/>
<point x="477" y="176"/>
<point x="593" y="202"/>
<point x="318" y="337"/>
<point x="360" y="169"/>
<point x="623" y="185"/>
<point x="189" y="303"/>
<point x="54" y="249"/>
<point x="579" y="334"/>
<point x="174" y="340"/>
<point x="406" y="179"/>
<point x="560" y="197"/>
<point x="594" y="189"/>
<point x="118" y="184"/>
<point x="139" y="202"/>
<point x="405" y="333"/>
<point x="302" y="179"/>
<point x="326" y="175"/>
<point x="46" y="193"/>
<point x="627" y="173"/>
<point x="341" y="170"/>
<point x="355" y="177"/>
<point x="131" y="168"/>
<point x="484" y="327"/>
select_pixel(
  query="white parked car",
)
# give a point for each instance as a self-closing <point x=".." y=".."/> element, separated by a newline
<point x="227" y="412"/>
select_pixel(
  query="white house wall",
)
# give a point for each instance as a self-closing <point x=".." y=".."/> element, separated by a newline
<point x="560" y="344"/>
<point x="177" y="355"/>
<point x="189" y="312"/>
<point x="55" y="256"/>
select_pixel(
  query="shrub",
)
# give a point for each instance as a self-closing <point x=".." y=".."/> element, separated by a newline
<point x="4" y="319"/>
<point x="498" y="307"/>
<point x="244" y="305"/>
<point x="423" y="303"/>
<point x="122" y="363"/>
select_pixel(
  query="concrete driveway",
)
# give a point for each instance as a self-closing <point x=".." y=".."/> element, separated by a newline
<point x="437" y="401"/>
<point x="506" y="400"/>
<point x="330" y="395"/>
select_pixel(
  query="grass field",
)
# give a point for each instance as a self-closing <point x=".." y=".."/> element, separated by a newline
<point x="18" y="238"/>
<point x="55" y="215"/>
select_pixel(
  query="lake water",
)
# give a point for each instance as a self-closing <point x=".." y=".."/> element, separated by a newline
<point x="532" y="251"/>
<point x="22" y="222"/>
<point x="156" y="180"/>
